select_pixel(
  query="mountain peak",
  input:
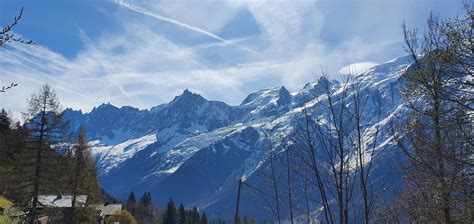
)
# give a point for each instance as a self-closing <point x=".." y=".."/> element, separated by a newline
<point x="187" y="92"/>
<point x="284" y="96"/>
<point x="188" y="97"/>
<point x="105" y="106"/>
<point x="268" y="99"/>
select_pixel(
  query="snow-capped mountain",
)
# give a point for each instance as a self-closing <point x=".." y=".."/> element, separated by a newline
<point x="194" y="150"/>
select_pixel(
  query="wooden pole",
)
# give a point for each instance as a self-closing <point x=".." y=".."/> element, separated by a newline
<point x="236" y="219"/>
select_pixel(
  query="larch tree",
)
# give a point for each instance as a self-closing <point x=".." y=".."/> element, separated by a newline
<point x="38" y="164"/>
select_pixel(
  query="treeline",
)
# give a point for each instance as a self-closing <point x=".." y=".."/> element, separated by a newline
<point x="145" y="212"/>
<point x="181" y="215"/>
<point x="41" y="157"/>
<point x="142" y="210"/>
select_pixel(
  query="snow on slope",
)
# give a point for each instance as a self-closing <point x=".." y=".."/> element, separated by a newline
<point x="179" y="134"/>
<point x="116" y="154"/>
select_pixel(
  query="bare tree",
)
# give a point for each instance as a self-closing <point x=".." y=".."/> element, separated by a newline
<point x="289" y="184"/>
<point x="306" y="140"/>
<point x="5" y="88"/>
<point x="7" y="35"/>
<point x="334" y="152"/>
<point x="339" y="136"/>
<point x="269" y="175"/>
<point x="439" y="142"/>
<point x="365" y="147"/>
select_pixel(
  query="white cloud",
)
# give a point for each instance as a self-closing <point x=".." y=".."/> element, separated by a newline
<point x="288" y="25"/>
<point x="181" y="24"/>
<point x="357" y="68"/>
<point x="141" y="67"/>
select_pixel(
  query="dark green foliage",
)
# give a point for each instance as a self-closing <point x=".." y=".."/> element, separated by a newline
<point x="131" y="204"/>
<point x="5" y="123"/>
<point x="194" y="216"/>
<point x="219" y="221"/>
<point x="83" y="174"/>
<point x="204" y="218"/>
<point x="182" y="214"/>
<point x="145" y="210"/>
<point x="170" y="216"/>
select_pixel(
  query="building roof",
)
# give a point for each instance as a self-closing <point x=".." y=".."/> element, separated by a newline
<point x="60" y="201"/>
<point x="109" y="209"/>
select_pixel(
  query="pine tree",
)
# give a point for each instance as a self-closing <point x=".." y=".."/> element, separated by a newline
<point x="131" y="204"/>
<point x="170" y="216"/>
<point x="10" y="147"/>
<point x="182" y="215"/>
<point x="4" y="132"/>
<point x="145" y="212"/>
<point x="84" y="172"/>
<point x="194" y="216"/>
<point x="5" y="123"/>
<point x="203" y="218"/>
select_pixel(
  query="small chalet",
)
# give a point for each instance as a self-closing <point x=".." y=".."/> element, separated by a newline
<point x="57" y="203"/>
<point x="106" y="210"/>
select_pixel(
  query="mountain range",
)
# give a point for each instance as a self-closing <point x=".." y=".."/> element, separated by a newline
<point x="195" y="150"/>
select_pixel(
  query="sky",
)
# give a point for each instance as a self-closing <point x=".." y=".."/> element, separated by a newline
<point x="142" y="53"/>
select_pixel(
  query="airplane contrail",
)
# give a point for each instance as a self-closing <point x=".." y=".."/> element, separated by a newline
<point x="181" y="24"/>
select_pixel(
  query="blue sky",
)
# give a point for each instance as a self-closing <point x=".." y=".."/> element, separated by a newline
<point x="144" y="52"/>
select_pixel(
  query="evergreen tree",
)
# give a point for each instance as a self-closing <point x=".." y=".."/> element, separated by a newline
<point x="203" y="218"/>
<point x="182" y="215"/>
<point x="170" y="216"/>
<point x="131" y="204"/>
<point x="194" y="216"/>
<point x="4" y="132"/>
<point x="12" y="145"/>
<point x="84" y="174"/>
<point x="145" y="212"/>
<point x="5" y="123"/>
